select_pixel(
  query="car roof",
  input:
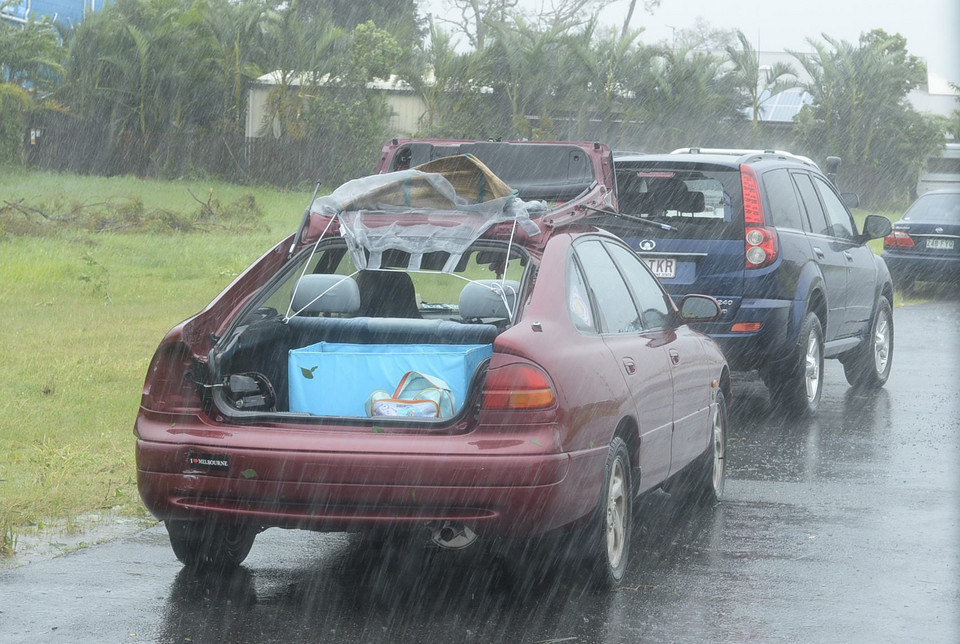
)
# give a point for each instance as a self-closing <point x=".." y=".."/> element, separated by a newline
<point x="941" y="191"/>
<point x="731" y="157"/>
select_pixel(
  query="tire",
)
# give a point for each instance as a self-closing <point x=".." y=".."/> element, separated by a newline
<point x="868" y="366"/>
<point x="712" y="468"/>
<point x="611" y="527"/>
<point x="208" y="546"/>
<point x="797" y="388"/>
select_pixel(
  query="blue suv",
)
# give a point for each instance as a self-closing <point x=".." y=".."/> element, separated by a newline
<point x="768" y="235"/>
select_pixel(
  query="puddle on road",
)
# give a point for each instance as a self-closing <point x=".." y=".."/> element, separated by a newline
<point x="59" y="537"/>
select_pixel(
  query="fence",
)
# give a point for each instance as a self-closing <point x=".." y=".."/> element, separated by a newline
<point x="60" y="142"/>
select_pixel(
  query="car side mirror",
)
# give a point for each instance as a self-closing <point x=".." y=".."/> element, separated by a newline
<point x="850" y="199"/>
<point x="875" y="227"/>
<point x="699" y="308"/>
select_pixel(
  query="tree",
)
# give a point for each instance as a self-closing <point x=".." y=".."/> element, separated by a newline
<point x="860" y="112"/>
<point x="238" y="28"/>
<point x="648" y="6"/>
<point x="685" y="98"/>
<point x="753" y="80"/>
<point x="31" y="55"/>
<point x="477" y="17"/>
<point x="953" y="121"/>
<point x="343" y="114"/>
<point x="14" y="102"/>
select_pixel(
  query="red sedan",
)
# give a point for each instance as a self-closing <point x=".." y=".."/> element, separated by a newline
<point x="433" y="352"/>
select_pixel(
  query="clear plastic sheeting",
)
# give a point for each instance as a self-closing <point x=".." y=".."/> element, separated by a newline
<point x="419" y="211"/>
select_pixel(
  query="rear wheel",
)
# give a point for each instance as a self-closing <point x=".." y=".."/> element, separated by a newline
<point x="868" y="366"/>
<point x="798" y="387"/>
<point x="608" y="539"/>
<point x="209" y="545"/>
<point x="712" y="471"/>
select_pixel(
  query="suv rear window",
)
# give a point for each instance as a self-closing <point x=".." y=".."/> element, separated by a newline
<point x="702" y="202"/>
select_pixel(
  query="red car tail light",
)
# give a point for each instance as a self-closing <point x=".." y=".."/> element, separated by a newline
<point x="898" y="239"/>
<point x="761" y="243"/>
<point x="517" y="386"/>
<point x="169" y="385"/>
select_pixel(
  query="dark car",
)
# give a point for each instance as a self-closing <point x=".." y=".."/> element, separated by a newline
<point x="434" y="354"/>
<point x="768" y="235"/>
<point x="925" y="243"/>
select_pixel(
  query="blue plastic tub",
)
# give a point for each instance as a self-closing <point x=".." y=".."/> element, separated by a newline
<point x="334" y="379"/>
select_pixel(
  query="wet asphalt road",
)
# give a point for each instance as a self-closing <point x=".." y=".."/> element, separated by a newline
<point x="843" y="528"/>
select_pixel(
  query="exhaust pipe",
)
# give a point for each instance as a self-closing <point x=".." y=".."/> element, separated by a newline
<point x="451" y="535"/>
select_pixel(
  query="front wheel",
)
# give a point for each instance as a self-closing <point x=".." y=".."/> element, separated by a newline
<point x="611" y="527"/>
<point x="208" y="545"/>
<point x="798" y="387"/>
<point x="868" y="366"/>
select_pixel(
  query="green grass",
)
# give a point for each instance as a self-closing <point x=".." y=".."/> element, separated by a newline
<point x="83" y="313"/>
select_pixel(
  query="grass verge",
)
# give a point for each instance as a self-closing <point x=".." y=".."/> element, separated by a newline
<point x="84" y="312"/>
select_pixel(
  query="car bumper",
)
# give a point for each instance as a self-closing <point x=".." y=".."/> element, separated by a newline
<point x="928" y="269"/>
<point x="359" y="482"/>
<point x="747" y="350"/>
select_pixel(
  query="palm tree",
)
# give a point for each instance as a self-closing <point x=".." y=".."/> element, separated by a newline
<point x="31" y="55"/>
<point x="754" y="79"/>
<point x="860" y="111"/>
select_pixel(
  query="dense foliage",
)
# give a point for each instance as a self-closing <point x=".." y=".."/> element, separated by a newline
<point x="160" y="87"/>
<point x="861" y="113"/>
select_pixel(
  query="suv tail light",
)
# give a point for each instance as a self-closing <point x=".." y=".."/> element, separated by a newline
<point x="898" y="239"/>
<point x="517" y="386"/>
<point x="761" y="244"/>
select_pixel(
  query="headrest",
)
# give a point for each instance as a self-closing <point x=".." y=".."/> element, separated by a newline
<point x="325" y="293"/>
<point x="484" y="299"/>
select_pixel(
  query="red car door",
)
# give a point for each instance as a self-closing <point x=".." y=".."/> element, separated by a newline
<point x="686" y="361"/>
<point x="641" y="358"/>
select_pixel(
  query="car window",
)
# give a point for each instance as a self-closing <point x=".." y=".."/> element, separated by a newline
<point x="944" y="207"/>
<point x="703" y="202"/>
<point x="578" y="300"/>
<point x="816" y="219"/>
<point x="650" y="296"/>
<point x="782" y="203"/>
<point x="841" y="223"/>
<point x="615" y="306"/>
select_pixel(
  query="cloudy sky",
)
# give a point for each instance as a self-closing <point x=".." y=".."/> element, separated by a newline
<point x="931" y="27"/>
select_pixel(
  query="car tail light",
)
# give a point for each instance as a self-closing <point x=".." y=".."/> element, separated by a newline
<point x="517" y="386"/>
<point x="170" y="386"/>
<point x="898" y="239"/>
<point x="746" y="327"/>
<point x="761" y="242"/>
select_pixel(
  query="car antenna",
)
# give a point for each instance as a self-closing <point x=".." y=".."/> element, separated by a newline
<point x="303" y="222"/>
<point x="639" y="220"/>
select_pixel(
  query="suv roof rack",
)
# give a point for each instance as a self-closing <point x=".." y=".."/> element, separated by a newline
<point x="746" y="153"/>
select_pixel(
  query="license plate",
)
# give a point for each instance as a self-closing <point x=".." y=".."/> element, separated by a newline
<point x="662" y="267"/>
<point x="940" y="244"/>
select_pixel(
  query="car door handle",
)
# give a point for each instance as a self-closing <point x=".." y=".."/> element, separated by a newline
<point x="818" y="252"/>
<point x="847" y="254"/>
<point x="674" y="357"/>
<point x="630" y="366"/>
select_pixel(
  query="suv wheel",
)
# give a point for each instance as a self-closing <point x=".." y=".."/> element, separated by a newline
<point x="868" y="366"/>
<point x="798" y="387"/>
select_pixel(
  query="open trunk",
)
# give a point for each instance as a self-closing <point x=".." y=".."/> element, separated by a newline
<point x="392" y="312"/>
